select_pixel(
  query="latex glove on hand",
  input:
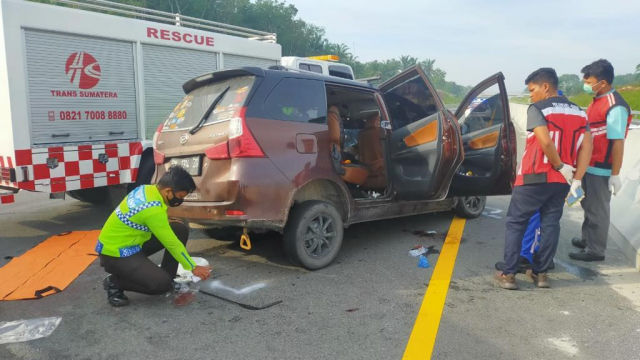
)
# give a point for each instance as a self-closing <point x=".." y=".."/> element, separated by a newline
<point x="575" y="184"/>
<point x="615" y="184"/>
<point x="567" y="171"/>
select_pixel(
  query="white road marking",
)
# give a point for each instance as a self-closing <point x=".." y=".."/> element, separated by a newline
<point x="565" y="344"/>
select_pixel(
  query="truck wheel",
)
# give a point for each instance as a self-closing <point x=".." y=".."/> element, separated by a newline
<point x="470" y="207"/>
<point x="96" y="196"/>
<point x="145" y="172"/>
<point x="313" y="234"/>
<point x="227" y="233"/>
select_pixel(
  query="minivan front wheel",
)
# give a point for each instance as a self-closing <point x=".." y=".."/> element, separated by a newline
<point x="313" y="235"/>
<point x="470" y="207"/>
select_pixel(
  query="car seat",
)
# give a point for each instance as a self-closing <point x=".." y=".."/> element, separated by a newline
<point x="372" y="154"/>
<point x="350" y="173"/>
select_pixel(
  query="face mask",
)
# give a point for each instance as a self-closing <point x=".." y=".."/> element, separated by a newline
<point x="589" y="89"/>
<point x="175" y="201"/>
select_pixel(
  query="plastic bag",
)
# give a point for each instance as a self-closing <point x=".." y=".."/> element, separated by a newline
<point x="26" y="330"/>
<point x="423" y="262"/>
<point x="186" y="276"/>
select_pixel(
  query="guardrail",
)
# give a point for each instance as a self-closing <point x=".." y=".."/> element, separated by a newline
<point x="166" y="17"/>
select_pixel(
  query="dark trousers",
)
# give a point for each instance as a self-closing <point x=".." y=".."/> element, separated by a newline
<point x="597" y="210"/>
<point x="526" y="200"/>
<point x="139" y="274"/>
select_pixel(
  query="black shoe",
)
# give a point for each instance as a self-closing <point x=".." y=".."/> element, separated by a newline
<point x="116" y="297"/>
<point x="579" y="243"/>
<point x="585" y="256"/>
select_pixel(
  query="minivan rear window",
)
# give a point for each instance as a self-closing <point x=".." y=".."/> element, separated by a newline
<point x="190" y="110"/>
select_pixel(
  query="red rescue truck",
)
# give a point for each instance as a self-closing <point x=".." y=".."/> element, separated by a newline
<point x="82" y="92"/>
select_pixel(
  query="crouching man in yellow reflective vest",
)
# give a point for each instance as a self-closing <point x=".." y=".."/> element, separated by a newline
<point x="139" y="227"/>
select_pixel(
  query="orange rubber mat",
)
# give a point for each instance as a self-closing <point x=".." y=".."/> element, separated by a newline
<point x="49" y="267"/>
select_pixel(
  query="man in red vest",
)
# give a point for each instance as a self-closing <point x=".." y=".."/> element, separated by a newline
<point x="609" y="119"/>
<point x="558" y="145"/>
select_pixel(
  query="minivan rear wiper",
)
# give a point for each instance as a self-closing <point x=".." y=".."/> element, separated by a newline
<point x="215" y="102"/>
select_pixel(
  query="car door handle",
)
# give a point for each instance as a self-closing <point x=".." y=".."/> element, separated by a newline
<point x="60" y="135"/>
<point x="116" y="132"/>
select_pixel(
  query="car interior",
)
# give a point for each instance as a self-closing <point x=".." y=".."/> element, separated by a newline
<point x="357" y="141"/>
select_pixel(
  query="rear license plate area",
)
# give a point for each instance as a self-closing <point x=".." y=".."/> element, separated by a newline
<point x="193" y="164"/>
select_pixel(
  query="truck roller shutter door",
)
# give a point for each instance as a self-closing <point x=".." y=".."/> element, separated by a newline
<point x="165" y="70"/>
<point x="237" y="61"/>
<point x="81" y="89"/>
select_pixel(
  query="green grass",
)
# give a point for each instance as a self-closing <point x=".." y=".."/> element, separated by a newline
<point x="520" y="100"/>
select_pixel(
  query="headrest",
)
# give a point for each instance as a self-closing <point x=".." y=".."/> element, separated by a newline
<point x="372" y="121"/>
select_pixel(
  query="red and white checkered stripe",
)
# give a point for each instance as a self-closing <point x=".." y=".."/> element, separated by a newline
<point x="77" y="167"/>
<point x="6" y="165"/>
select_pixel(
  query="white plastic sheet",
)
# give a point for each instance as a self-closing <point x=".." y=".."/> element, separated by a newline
<point x="26" y="330"/>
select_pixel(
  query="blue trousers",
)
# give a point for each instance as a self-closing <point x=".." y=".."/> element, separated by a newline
<point x="526" y="200"/>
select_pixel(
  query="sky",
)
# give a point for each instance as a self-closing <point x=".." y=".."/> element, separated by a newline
<point x="472" y="40"/>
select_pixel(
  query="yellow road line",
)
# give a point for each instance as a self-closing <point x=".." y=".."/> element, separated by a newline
<point x="425" y="330"/>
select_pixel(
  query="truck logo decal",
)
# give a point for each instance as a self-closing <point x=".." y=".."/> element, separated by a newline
<point x="83" y="70"/>
<point x="52" y="163"/>
<point x="184" y="138"/>
<point x="103" y="158"/>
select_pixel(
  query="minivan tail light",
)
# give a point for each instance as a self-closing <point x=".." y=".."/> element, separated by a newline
<point x="218" y="152"/>
<point x="158" y="157"/>
<point x="242" y="144"/>
<point x="234" y="212"/>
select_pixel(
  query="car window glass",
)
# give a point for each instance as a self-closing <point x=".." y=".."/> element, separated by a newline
<point x="315" y="69"/>
<point x="484" y="112"/>
<point x="304" y="67"/>
<point x="194" y="105"/>
<point x="340" y="71"/>
<point x="410" y="101"/>
<point x="298" y="100"/>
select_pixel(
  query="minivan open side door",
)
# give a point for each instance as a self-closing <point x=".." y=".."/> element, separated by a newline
<point x="424" y="146"/>
<point x="489" y="141"/>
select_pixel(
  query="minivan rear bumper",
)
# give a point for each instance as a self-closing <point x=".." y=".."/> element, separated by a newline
<point x="255" y="188"/>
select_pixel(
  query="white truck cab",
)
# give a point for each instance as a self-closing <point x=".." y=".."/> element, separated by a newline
<point x="325" y="64"/>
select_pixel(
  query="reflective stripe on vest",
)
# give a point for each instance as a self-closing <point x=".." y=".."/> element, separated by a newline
<point x="125" y="217"/>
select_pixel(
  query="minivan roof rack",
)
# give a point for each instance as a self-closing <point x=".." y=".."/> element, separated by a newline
<point x="169" y="18"/>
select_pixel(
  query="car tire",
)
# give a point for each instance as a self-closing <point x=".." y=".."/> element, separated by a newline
<point x="95" y="196"/>
<point x="227" y="233"/>
<point x="313" y="234"/>
<point x="145" y="173"/>
<point x="470" y="207"/>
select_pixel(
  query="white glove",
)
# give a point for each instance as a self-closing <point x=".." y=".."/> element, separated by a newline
<point x="567" y="171"/>
<point x="615" y="184"/>
<point x="575" y="184"/>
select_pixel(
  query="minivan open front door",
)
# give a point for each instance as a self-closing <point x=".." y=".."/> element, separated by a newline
<point x="489" y="141"/>
<point x="425" y="145"/>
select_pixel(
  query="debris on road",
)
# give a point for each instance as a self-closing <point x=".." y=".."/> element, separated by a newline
<point x="423" y="262"/>
<point x="186" y="276"/>
<point x="421" y="233"/>
<point x="492" y="213"/>
<point x="421" y="250"/>
<point x="352" y="310"/>
<point x="26" y="330"/>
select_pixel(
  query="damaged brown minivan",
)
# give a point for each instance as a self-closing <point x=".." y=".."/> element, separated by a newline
<point x="307" y="154"/>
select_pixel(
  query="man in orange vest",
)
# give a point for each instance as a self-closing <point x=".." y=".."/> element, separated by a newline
<point x="558" y="145"/>
<point x="609" y="119"/>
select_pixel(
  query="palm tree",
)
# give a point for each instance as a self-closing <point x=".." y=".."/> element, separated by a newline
<point x="408" y="61"/>
<point x="428" y="67"/>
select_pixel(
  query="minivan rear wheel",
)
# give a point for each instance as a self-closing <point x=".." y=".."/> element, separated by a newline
<point x="470" y="207"/>
<point x="313" y="235"/>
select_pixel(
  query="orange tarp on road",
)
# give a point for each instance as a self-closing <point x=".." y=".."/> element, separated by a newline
<point x="49" y="267"/>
